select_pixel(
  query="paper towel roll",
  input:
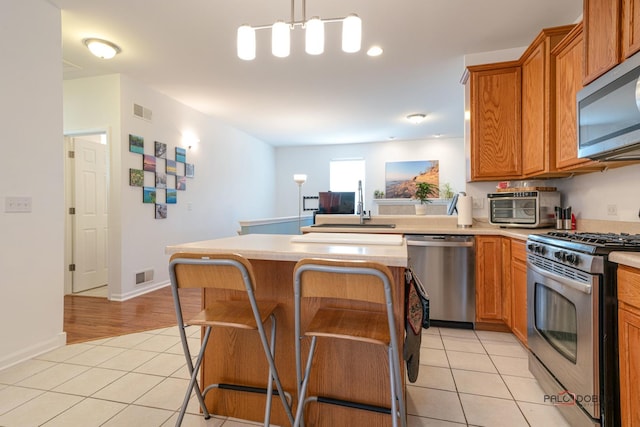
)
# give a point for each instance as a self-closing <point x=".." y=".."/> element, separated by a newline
<point x="465" y="211"/>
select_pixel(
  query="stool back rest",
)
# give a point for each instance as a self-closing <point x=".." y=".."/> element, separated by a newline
<point x="221" y="271"/>
<point x="351" y="280"/>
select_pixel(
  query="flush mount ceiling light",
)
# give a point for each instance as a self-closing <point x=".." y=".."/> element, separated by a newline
<point x="102" y="48"/>
<point x="314" y="35"/>
<point x="416" y="118"/>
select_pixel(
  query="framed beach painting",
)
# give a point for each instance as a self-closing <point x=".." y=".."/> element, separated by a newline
<point x="171" y="167"/>
<point x="401" y="177"/>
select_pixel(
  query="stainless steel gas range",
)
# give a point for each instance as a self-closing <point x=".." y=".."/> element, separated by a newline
<point x="572" y="322"/>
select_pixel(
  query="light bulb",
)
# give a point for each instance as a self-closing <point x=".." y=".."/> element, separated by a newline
<point x="314" y="36"/>
<point x="246" y="43"/>
<point x="280" y="39"/>
<point x="351" y="33"/>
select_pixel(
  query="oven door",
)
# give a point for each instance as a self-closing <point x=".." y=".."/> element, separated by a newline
<point x="562" y="328"/>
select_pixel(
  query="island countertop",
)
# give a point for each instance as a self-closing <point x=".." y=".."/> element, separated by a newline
<point x="284" y="247"/>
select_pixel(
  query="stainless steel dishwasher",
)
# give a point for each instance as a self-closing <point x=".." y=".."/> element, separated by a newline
<point x="445" y="264"/>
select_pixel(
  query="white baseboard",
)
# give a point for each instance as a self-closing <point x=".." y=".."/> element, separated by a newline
<point x="60" y="340"/>
<point x="136" y="293"/>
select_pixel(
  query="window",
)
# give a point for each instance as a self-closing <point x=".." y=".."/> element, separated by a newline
<point x="344" y="175"/>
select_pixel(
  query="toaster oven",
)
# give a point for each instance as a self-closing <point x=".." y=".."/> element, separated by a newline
<point x="523" y="209"/>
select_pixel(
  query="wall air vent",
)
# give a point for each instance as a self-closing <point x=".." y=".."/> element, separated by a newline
<point x="144" y="277"/>
<point x="142" y="112"/>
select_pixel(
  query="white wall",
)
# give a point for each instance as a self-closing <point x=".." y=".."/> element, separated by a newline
<point x="234" y="176"/>
<point x="31" y="164"/>
<point x="314" y="161"/>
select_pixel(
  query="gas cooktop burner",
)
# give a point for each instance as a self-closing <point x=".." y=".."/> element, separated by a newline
<point x="599" y="239"/>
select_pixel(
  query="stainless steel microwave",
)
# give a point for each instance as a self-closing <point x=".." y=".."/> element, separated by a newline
<point x="523" y="209"/>
<point x="609" y="114"/>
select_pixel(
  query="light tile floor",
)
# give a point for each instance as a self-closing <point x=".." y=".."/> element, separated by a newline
<point x="471" y="378"/>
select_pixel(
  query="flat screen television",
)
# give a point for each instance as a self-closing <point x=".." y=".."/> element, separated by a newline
<point x="336" y="202"/>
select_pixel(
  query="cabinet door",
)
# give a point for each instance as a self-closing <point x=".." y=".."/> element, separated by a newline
<point x="568" y="83"/>
<point x="488" y="279"/>
<point x="533" y="111"/>
<point x="519" y="289"/>
<point x="629" y="344"/>
<point x="630" y="27"/>
<point x="506" y="282"/>
<point x="601" y="37"/>
<point x="495" y="122"/>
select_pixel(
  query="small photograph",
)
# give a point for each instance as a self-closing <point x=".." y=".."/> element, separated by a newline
<point x="181" y="155"/>
<point x="172" y="196"/>
<point x="161" y="211"/>
<point x="149" y="163"/>
<point x="136" y="177"/>
<point x="149" y="195"/>
<point x="171" y="167"/>
<point x="181" y="183"/>
<point x="161" y="180"/>
<point x="136" y="144"/>
<point x="161" y="150"/>
<point x="189" y="170"/>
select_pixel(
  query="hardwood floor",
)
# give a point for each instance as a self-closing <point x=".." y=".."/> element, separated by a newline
<point x="90" y="318"/>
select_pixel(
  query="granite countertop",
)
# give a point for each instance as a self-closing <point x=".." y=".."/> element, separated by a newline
<point x="284" y="247"/>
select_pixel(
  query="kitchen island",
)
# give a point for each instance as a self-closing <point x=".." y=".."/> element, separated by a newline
<point x="236" y="356"/>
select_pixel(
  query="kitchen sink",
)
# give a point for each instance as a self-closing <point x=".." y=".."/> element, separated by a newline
<point x="354" y="225"/>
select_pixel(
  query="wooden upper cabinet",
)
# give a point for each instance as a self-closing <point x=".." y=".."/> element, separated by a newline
<point x="495" y="139"/>
<point x="538" y="104"/>
<point x="630" y="27"/>
<point x="601" y="37"/>
<point x="568" y="56"/>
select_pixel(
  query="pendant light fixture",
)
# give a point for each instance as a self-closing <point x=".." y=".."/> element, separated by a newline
<point x="314" y="35"/>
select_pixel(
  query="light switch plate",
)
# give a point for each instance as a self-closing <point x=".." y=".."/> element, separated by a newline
<point x="478" y="203"/>
<point x="17" y="204"/>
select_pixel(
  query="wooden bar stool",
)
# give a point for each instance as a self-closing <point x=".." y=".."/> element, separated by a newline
<point x="232" y="272"/>
<point x="347" y="280"/>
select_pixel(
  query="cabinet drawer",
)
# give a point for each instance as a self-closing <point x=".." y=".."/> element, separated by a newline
<point x="519" y="250"/>
<point x="629" y="286"/>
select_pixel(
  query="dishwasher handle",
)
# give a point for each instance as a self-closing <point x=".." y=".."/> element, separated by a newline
<point x="439" y="244"/>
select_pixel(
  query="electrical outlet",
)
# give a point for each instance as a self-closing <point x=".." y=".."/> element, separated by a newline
<point x="612" y="210"/>
<point x="17" y="204"/>
<point x="478" y="203"/>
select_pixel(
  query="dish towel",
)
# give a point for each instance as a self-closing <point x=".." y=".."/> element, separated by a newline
<point x="413" y="326"/>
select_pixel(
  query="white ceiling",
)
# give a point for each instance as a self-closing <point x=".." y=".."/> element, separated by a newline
<point x="186" y="50"/>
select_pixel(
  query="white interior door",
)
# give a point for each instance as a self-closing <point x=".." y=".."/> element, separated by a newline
<point x="90" y="229"/>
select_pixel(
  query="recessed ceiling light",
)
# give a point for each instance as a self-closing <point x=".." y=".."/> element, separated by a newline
<point x="391" y="138"/>
<point x="416" y="118"/>
<point x="375" y="51"/>
<point x="102" y="48"/>
<point x="437" y="135"/>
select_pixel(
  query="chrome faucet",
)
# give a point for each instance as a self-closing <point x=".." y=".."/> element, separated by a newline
<point x="361" y="212"/>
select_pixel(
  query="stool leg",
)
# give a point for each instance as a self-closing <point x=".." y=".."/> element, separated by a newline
<point x="396" y="389"/>
<point x="273" y="372"/>
<point x="272" y="345"/>
<point x="193" y="371"/>
<point x="299" y="420"/>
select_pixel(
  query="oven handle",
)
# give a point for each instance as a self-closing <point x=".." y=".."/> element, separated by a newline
<point x="581" y="287"/>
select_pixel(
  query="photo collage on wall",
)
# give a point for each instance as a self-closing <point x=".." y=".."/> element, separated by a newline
<point x="169" y="176"/>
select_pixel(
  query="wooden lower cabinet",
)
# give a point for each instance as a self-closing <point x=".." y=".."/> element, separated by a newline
<point x="506" y="282"/>
<point x="519" y="290"/>
<point x="489" y="281"/>
<point x="629" y="345"/>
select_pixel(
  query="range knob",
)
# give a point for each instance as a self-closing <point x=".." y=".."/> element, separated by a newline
<point x="531" y="247"/>
<point x="572" y="259"/>
<point x="560" y="255"/>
